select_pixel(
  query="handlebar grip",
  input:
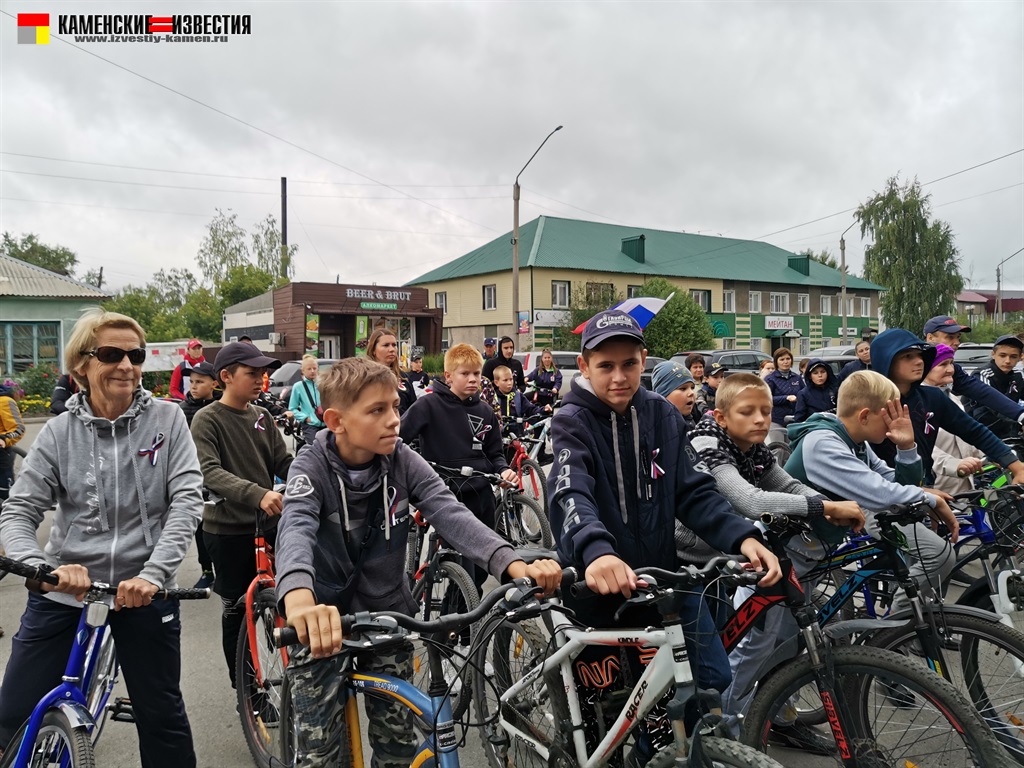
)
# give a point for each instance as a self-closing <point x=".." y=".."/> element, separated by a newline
<point x="34" y="572"/>
<point x="581" y="591"/>
<point x="184" y="594"/>
<point x="285" y="636"/>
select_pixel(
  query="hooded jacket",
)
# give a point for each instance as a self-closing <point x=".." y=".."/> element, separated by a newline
<point x="851" y="367"/>
<point x="328" y="507"/>
<point x="1010" y="385"/>
<point x="825" y="457"/>
<point x="515" y="405"/>
<point x="783" y="384"/>
<point x="511" y="363"/>
<point x="128" y="493"/>
<point x="815" y="399"/>
<point x="66" y="387"/>
<point x="929" y="407"/>
<point x="180" y="376"/>
<point x="12" y="428"/>
<point x="454" y="432"/>
<point x="619" y="483"/>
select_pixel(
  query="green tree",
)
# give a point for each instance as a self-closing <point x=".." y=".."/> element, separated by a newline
<point x="244" y="282"/>
<point x="914" y="257"/>
<point x="55" y="258"/>
<point x="822" y="257"/>
<point x="226" y="247"/>
<point x="583" y="305"/>
<point x="202" y="314"/>
<point x="681" y="323"/>
<point x="147" y="305"/>
<point x="266" y="250"/>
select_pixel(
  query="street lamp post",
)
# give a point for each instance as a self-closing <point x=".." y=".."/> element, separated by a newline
<point x="515" y="238"/>
<point x="842" y="266"/>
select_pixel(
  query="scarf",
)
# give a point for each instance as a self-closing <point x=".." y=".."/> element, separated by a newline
<point x="752" y="464"/>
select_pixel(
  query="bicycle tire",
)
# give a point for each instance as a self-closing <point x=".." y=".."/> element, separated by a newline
<point x="781" y="451"/>
<point x="525" y="524"/>
<point x="541" y="709"/>
<point x="982" y="600"/>
<point x="941" y="705"/>
<point x="259" y="707"/>
<point x="533" y="483"/>
<point x="54" y="730"/>
<point x="453" y="591"/>
<point x="723" y="753"/>
<point x="1003" y="677"/>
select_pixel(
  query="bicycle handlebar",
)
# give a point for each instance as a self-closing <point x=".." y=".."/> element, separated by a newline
<point x="730" y="570"/>
<point x="516" y="593"/>
<point x="44" y="574"/>
<point x="896" y="514"/>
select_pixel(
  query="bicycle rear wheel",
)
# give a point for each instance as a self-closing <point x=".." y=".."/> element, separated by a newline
<point x="929" y="723"/>
<point x="523" y="523"/>
<point x="450" y="591"/>
<point x="57" y="745"/>
<point x="258" y="681"/>
<point x="539" y="710"/>
<point x="723" y="754"/>
<point x="533" y="483"/>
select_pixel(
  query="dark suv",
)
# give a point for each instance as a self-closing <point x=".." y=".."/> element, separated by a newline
<point x="747" y="360"/>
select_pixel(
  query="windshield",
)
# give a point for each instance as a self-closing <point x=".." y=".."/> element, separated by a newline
<point x="285" y="373"/>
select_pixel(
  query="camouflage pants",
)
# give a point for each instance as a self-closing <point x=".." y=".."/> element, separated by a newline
<point x="319" y="710"/>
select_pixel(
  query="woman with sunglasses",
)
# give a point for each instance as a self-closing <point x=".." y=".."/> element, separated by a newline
<point x="121" y="469"/>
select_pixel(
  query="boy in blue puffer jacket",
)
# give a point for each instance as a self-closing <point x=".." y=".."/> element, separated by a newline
<point x="819" y="393"/>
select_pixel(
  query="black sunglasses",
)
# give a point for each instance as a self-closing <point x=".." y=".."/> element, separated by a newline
<point x="114" y="355"/>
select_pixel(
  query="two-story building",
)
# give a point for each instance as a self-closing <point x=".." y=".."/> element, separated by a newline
<point x="756" y="295"/>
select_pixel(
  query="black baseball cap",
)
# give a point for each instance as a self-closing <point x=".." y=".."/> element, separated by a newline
<point x="610" y="324"/>
<point x="715" y="369"/>
<point x="416" y="358"/>
<point x="203" y="369"/>
<point x="244" y="353"/>
<point x="1009" y="340"/>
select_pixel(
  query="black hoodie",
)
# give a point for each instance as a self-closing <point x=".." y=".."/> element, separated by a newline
<point x="815" y="399"/>
<point x="1010" y="385"/>
<point x="518" y="376"/>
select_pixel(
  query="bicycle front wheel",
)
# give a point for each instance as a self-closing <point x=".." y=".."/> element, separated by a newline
<point x="450" y="590"/>
<point x="902" y="713"/>
<point x="524" y="523"/>
<point x="723" y="753"/>
<point x="57" y="745"/>
<point x="258" y="680"/>
<point x="985" y="661"/>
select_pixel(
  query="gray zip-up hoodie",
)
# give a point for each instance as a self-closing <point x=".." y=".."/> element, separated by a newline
<point x="128" y="493"/>
<point x="327" y="507"/>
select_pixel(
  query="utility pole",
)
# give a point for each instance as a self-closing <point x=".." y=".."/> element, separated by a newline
<point x="999" y="285"/>
<point x="99" y="280"/>
<point x="515" y="239"/>
<point x="842" y="266"/>
<point x="284" y="226"/>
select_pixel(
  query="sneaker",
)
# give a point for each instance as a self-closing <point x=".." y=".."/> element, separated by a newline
<point x="803" y="737"/>
<point x="205" y="581"/>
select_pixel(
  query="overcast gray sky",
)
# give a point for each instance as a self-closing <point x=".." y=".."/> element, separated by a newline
<point x="738" y="118"/>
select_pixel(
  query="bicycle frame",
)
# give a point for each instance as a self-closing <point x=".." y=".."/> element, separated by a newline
<point x="264" y="579"/>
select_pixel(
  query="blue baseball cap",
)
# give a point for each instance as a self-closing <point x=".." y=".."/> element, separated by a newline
<point x="610" y="324"/>
<point x="945" y="324"/>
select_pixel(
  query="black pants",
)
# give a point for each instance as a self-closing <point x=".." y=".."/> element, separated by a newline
<point x="204" y="556"/>
<point x="148" y="642"/>
<point x="479" y="499"/>
<point x="234" y="565"/>
<point x="6" y="471"/>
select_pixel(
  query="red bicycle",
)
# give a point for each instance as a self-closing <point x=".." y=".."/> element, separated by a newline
<point x="516" y="435"/>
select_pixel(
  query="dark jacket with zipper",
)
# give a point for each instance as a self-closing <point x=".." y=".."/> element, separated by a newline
<point x="1010" y="385"/>
<point x="782" y="386"/>
<point x="619" y="483"/>
<point x="815" y="399"/>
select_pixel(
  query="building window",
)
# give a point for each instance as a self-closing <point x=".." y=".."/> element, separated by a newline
<point x="490" y="296"/>
<point x="755" y="343"/>
<point x="826" y="305"/>
<point x="728" y="301"/>
<point x="804" y="345"/>
<point x="754" y="303"/>
<point x="729" y="342"/>
<point x="28" y="344"/>
<point x="441" y="301"/>
<point x="849" y="308"/>
<point x="865" y="307"/>
<point x="803" y="303"/>
<point x="779" y="303"/>
<point x="560" y="294"/>
<point x="703" y="299"/>
<point x="633" y="291"/>
<point x="600" y="293"/>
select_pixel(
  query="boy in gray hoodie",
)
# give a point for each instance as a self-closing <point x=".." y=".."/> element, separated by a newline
<point x="341" y="548"/>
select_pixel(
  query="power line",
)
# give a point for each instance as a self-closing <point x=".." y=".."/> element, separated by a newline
<point x="965" y="170"/>
<point x="246" y="178"/>
<point x="260" y="130"/>
<point x="576" y="207"/>
<point x="982" y="194"/>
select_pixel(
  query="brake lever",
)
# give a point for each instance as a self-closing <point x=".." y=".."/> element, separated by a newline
<point x="640" y="596"/>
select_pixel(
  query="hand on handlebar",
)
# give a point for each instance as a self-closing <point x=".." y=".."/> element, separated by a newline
<point x="762" y="559"/>
<point x="845" y="513"/>
<point x="608" y="575"/>
<point x="135" y="593"/>
<point x="510" y="477"/>
<point x="546" y="574"/>
<point x="943" y="514"/>
<point x="272" y="503"/>
<point x="318" y="626"/>
<point x="969" y="466"/>
<point x="74" y="580"/>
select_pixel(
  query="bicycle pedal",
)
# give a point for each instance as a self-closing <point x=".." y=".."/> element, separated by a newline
<point x="121" y="710"/>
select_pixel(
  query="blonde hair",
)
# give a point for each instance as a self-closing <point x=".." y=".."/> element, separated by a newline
<point x="864" y="389"/>
<point x="342" y="384"/>
<point x="735" y="385"/>
<point x="462" y="355"/>
<point x="371" y="348"/>
<point x="83" y="338"/>
<point x="307" y="358"/>
<point x="501" y="370"/>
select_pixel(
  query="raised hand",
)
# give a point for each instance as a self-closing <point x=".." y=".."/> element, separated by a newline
<point x="898" y="426"/>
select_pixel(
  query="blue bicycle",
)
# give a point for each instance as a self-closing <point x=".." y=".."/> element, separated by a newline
<point x="64" y="726"/>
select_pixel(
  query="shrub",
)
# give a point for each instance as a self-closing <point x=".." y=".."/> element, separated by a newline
<point x="38" y="380"/>
<point x="434" y="365"/>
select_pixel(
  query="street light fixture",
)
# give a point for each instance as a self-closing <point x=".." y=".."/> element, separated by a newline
<point x="515" y="237"/>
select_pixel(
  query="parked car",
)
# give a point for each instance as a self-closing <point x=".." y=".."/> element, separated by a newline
<point x="736" y="360"/>
<point x="972" y="356"/>
<point x="648" y="374"/>
<point x="843" y="350"/>
<point x="565" y="361"/>
<point x="282" y="380"/>
<point x="836" y="363"/>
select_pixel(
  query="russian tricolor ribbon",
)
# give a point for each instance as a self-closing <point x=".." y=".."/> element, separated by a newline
<point x="656" y="471"/>
<point x="158" y="443"/>
<point x="928" y="426"/>
<point x="259" y="423"/>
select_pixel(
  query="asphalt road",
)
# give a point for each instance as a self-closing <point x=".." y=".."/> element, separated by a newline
<point x="209" y="697"/>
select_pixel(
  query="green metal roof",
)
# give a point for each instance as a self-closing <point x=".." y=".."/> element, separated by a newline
<point x="558" y="243"/>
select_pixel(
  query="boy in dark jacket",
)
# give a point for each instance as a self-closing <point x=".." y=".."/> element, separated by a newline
<point x="455" y="429"/>
<point x="506" y="350"/>
<point x="624" y="472"/>
<point x="819" y="392"/>
<point x="341" y="548"/>
<point x="1000" y="375"/>
<point x="202" y="385"/>
<point x="513" y="404"/>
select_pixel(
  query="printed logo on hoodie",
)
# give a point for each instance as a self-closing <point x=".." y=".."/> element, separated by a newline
<point x="298" y="487"/>
<point x="479" y="430"/>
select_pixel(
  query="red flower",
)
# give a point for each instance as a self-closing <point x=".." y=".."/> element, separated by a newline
<point x="45" y="376"/>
